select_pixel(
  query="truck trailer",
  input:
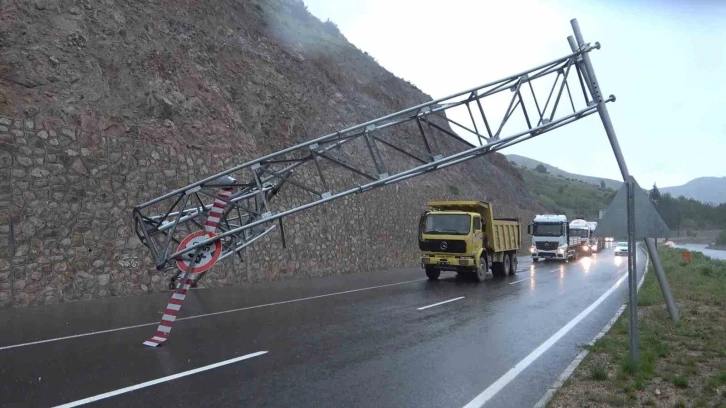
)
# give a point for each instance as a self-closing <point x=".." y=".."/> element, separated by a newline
<point x="464" y="236"/>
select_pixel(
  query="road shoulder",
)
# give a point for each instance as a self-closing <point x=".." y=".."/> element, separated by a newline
<point x="547" y="397"/>
<point x="681" y="364"/>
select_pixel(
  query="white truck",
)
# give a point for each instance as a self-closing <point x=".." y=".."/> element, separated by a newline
<point x="580" y="230"/>
<point x="596" y="242"/>
<point x="551" y="238"/>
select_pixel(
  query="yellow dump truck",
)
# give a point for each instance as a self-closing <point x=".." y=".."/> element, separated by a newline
<point x="464" y="236"/>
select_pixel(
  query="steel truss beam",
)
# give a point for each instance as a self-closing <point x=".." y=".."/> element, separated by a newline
<point x="373" y="154"/>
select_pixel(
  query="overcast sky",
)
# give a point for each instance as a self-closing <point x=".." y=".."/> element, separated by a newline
<point x="663" y="60"/>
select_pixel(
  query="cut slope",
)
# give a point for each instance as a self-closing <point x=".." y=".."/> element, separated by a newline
<point x="108" y="104"/>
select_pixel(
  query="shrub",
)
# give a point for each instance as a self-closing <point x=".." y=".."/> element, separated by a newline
<point x="721" y="240"/>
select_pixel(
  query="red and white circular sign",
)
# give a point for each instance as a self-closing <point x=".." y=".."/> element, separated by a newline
<point x="207" y="256"/>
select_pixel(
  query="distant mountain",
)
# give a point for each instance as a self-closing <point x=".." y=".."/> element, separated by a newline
<point x="704" y="189"/>
<point x="532" y="164"/>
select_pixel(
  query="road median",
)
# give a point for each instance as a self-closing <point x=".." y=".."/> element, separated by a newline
<point x="681" y="364"/>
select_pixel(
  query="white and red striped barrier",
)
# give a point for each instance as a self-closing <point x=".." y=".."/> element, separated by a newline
<point x="206" y="257"/>
<point x="170" y="315"/>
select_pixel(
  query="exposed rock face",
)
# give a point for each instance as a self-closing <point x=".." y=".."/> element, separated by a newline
<point x="104" y="105"/>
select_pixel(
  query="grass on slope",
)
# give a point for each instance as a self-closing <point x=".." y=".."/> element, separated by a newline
<point x="570" y="197"/>
<point x="682" y="365"/>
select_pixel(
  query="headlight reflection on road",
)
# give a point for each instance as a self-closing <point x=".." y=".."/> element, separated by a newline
<point x="586" y="263"/>
<point x="618" y="260"/>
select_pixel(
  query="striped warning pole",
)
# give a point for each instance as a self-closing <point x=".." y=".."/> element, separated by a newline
<point x="177" y="298"/>
<point x="215" y="214"/>
<point x="170" y="314"/>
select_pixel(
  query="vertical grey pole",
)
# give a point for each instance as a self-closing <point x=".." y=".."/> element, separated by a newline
<point x="632" y="272"/>
<point x="597" y="96"/>
<point x="607" y="123"/>
<point x="662" y="281"/>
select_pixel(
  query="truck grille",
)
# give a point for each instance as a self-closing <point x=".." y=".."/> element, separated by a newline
<point x="443" y="245"/>
<point x="547" y="245"/>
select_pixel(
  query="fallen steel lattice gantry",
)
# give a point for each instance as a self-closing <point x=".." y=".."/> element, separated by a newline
<point x="193" y="228"/>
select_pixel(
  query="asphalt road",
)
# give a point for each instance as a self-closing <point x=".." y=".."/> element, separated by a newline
<point x="377" y="344"/>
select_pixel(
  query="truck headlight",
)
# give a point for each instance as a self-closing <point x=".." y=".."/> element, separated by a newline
<point x="560" y="251"/>
<point x="532" y="249"/>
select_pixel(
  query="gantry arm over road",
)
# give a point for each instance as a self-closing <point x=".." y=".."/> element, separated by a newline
<point x="377" y="153"/>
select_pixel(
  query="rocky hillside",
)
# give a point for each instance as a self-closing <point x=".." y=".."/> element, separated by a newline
<point x="105" y="104"/>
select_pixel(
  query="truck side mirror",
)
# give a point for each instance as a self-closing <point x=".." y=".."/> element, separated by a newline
<point x="529" y="229"/>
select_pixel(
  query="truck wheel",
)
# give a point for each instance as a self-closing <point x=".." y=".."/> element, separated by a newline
<point x="433" y="274"/>
<point x="535" y="260"/>
<point x="506" y="265"/>
<point x="514" y="264"/>
<point x="480" y="273"/>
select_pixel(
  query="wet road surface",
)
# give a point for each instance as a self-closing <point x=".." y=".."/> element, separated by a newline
<point x="383" y="339"/>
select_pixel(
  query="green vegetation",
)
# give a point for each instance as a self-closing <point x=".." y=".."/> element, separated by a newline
<point x="682" y="364"/>
<point x="598" y="372"/>
<point x="681" y="212"/>
<point x="567" y="196"/>
<point x="721" y="240"/>
<point x="577" y="198"/>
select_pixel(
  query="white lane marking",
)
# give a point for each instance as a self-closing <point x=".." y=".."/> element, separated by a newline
<point x="158" y="380"/>
<point x="497" y="386"/>
<point x="521" y="280"/>
<point x="205" y="315"/>
<point x="530" y="278"/>
<point x="581" y="356"/>
<point x="441" y="303"/>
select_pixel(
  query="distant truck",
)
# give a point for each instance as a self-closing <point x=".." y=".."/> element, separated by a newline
<point x="596" y="242"/>
<point x="464" y="236"/>
<point x="551" y="238"/>
<point x="581" y="229"/>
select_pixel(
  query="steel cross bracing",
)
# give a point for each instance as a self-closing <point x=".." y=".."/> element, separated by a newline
<point x="374" y="154"/>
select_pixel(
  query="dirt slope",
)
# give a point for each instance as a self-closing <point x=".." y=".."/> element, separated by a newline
<point x="105" y="104"/>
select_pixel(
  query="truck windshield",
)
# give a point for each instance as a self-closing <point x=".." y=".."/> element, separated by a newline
<point x="582" y="233"/>
<point x="547" y="230"/>
<point x="454" y="224"/>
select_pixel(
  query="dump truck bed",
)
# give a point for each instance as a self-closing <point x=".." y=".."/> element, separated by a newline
<point x="503" y="234"/>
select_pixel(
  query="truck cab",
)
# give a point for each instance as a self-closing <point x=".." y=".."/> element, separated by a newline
<point x="463" y="236"/>
<point x="580" y="230"/>
<point x="551" y="238"/>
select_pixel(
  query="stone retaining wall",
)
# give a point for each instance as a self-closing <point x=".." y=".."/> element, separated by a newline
<point x="66" y="197"/>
